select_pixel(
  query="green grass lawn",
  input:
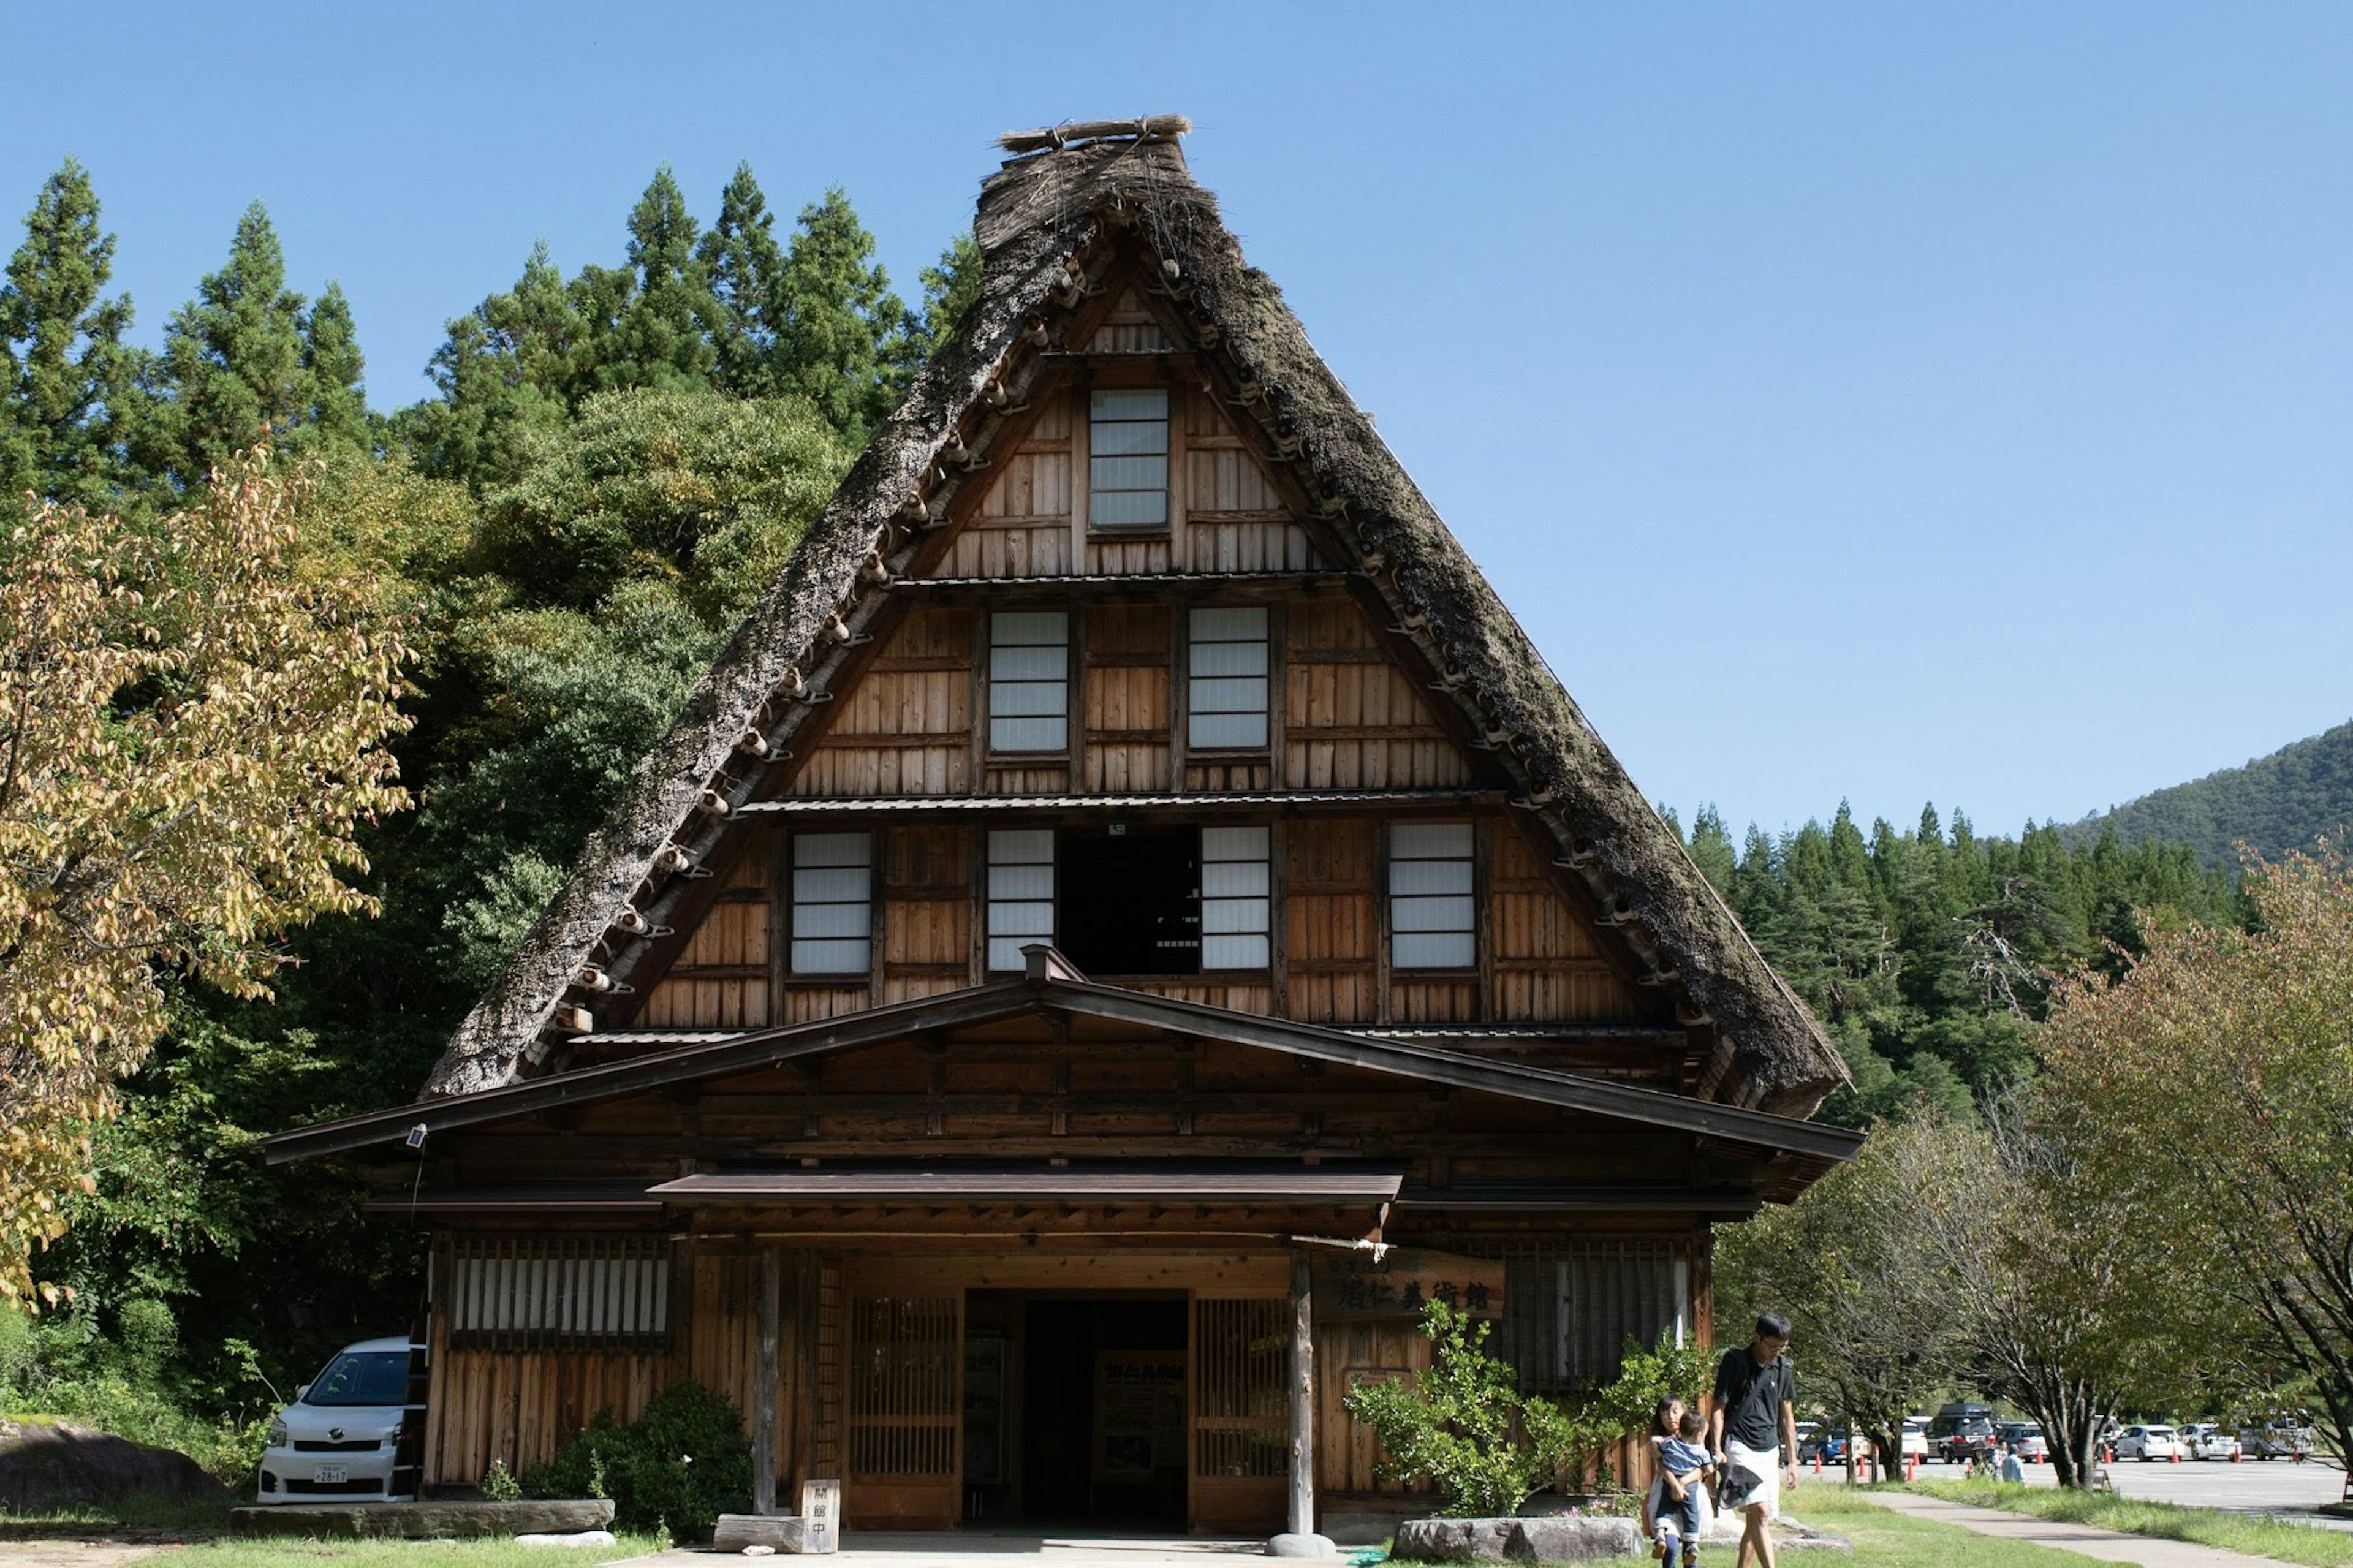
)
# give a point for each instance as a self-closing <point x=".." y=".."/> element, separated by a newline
<point x="501" y="1552"/>
<point x="1883" y="1539"/>
<point x="2250" y="1533"/>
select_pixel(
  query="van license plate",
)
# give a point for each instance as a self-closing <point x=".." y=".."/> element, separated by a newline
<point x="334" y="1474"/>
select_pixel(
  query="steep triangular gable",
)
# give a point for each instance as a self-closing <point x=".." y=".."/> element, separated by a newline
<point x="1051" y="226"/>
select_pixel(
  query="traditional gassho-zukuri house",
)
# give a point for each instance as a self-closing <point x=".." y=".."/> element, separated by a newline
<point x="1129" y="863"/>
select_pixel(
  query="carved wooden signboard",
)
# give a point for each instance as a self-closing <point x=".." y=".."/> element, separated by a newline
<point x="1356" y="1285"/>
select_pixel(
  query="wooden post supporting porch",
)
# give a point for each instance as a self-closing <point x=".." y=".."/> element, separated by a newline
<point x="764" y="1373"/>
<point x="1299" y="1538"/>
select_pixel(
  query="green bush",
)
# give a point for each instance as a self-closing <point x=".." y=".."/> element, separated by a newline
<point x="1464" y="1424"/>
<point x="64" y="1366"/>
<point x="681" y="1464"/>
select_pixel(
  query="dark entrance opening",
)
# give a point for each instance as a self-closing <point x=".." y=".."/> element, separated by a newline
<point x="1131" y="899"/>
<point x="1099" y="1414"/>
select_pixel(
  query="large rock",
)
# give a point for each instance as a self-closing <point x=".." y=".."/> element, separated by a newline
<point x="44" y="1467"/>
<point x="423" y="1520"/>
<point x="1559" y="1538"/>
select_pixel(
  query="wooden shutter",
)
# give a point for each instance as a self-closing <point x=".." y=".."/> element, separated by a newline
<point x="1241" y="1415"/>
<point x="903" y="1401"/>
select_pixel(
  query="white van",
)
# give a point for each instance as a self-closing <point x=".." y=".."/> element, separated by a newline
<point x="342" y="1437"/>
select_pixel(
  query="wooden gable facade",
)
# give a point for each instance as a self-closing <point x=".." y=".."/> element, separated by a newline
<point x="1112" y="966"/>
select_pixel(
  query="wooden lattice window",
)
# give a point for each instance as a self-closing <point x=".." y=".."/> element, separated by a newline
<point x="1226" y="684"/>
<point x="1127" y="459"/>
<point x="1241" y="1420"/>
<point x="1568" y="1311"/>
<point x="905" y="1353"/>
<point x="1029" y="680"/>
<point x="1021" y="893"/>
<point x="1433" y="916"/>
<point x="1237" y="902"/>
<point x="833" y="903"/>
<point x="537" y="1292"/>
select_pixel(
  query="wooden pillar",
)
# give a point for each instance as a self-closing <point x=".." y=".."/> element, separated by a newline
<point x="764" y="1377"/>
<point x="1302" y="1397"/>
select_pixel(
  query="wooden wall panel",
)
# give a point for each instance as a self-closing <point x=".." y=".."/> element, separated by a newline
<point x="926" y="912"/>
<point x="1548" y="962"/>
<point x="807" y="1003"/>
<point x="1352" y="718"/>
<point x="904" y="728"/>
<point x="1130" y="329"/>
<point x="1332" y="925"/>
<point x="1127" y="700"/>
<point x="1347" y="1354"/>
<point x="720" y="978"/>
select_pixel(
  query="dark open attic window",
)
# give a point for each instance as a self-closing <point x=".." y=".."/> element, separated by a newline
<point x="1131" y="901"/>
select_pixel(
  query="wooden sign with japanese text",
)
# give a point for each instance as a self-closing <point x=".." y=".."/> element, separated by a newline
<point x="1352" y="1285"/>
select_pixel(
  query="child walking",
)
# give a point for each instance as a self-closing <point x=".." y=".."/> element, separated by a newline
<point x="1684" y="1463"/>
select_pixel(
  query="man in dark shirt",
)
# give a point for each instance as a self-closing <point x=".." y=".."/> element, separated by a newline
<point x="1753" y="1430"/>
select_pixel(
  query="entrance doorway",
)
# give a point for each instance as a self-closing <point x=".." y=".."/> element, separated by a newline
<point x="1075" y="1410"/>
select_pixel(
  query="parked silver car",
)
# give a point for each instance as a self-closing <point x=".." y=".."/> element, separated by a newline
<point x="2025" y="1439"/>
<point x="356" y="1431"/>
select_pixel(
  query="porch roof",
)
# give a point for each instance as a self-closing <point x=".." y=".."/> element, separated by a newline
<point x="1274" y="1182"/>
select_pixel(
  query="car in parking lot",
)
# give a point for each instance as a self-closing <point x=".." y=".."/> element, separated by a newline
<point x="2025" y="1439"/>
<point x="356" y="1431"/>
<point x="2276" y="1440"/>
<point x="2209" y="1440"/>
<point x="1827" y="1444"/>
<point x="1970" y="1437"/>
<point x="1914" y="1442"/>
<point x="2145" y="1443"/>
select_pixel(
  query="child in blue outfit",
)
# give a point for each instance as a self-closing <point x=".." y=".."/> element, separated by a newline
<point x="1683" y="1462"/>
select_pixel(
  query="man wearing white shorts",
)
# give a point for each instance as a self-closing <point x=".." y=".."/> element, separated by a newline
<point x="1753" y="1431"/>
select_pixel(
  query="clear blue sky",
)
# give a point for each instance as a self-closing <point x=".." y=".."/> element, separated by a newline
<point x="1895" y="402"/>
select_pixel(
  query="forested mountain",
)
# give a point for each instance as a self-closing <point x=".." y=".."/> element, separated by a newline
<point x="2272" y="805"/>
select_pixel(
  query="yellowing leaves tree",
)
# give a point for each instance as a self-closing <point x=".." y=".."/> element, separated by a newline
<point x="191" y="732"/>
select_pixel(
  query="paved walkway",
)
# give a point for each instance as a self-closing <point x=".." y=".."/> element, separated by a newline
<point x="968" y="1549"/>
<point x="2107" y="1544"/>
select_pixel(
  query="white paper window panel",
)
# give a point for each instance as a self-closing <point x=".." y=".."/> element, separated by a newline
<point x="1235" y="843"/>
<point x="1130" y="403"/>
<point x="832" y="849"/>
<point x="832" y="920"/>
<point x="831" y="885"/>
<point x="1233" y="917"/>
<point x="1028" y="734"/>
<point x="1021" y="846"/>
<point x="1239" y="694"/>
<point x="1145" y="473"/>
<point x="1214" y="659"/>
<point x="1230" y="623"/>
<point x="1234" y="951"/>
<point x="1035" y="628"/>
<point x="1127" y="509"/>
<point x="1422" y="876"/>
<point x="1234" y="880"/>
<point x="1225" y="732"/>
<point x="1005" y="952"/>
<point x="570" y="1295"/>
<point x="1049" y="664"/>
<point x="833" y="955"/>
<point x="1429" y="841"/>
<point x="1029" y="699"/>
<point x="1021" y="882"/>
<point x="1431" y="951"/>
<point x="1128" y="437"/>
<point x="1430" y="914"/>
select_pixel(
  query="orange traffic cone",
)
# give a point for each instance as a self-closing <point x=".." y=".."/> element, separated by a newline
<point x="2176" y="1453"/>
<point x="1911" y="1466"/>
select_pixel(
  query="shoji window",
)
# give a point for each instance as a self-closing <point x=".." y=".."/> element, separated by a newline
<point x="1433" y="917"/>
<point x="1020" y="892"/>
<point x="1225" y="691"/>
<point x="833" y="908"/>
<point x="1236" y="905"/>
<point x="1029" y="680"/>
<point x="1127" y="459"/>
<point x="1568" y="1311"/>
<point x="546" y="1293"/>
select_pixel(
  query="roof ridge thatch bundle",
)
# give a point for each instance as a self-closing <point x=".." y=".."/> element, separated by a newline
<point x="1038" y="217"/>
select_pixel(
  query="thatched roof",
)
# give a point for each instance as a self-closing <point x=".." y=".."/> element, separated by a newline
<point x="1044" y="220"/>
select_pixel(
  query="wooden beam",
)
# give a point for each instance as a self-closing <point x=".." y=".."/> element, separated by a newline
<point x="765" y="1378"/>
<point x="1302" y="1397"/>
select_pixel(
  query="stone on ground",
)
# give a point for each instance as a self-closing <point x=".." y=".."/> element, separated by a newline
<point x="45" y="1467"/>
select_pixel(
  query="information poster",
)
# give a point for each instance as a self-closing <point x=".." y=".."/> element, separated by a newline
<point x="1139" y="1414"/>
<point x="1354" y="1285"/>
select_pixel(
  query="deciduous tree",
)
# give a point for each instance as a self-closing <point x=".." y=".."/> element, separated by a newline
<point x="190" y="739"/>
